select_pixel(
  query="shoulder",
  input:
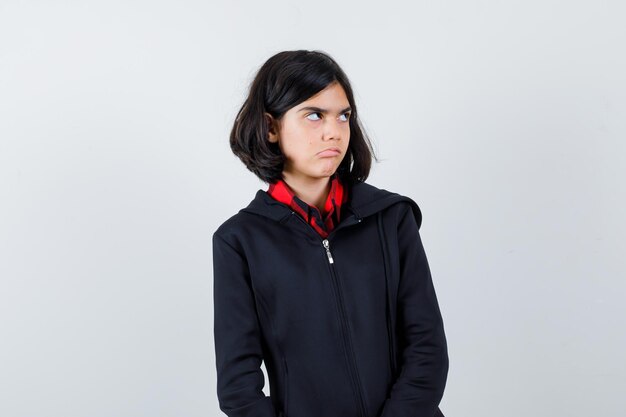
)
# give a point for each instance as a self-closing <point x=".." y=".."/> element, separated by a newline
<point x="407" y="211"/>
<point x="368" y="199"/>
<point x="232" y="228"/>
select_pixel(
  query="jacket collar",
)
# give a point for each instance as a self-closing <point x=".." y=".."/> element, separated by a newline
<point x="364" y="200"/>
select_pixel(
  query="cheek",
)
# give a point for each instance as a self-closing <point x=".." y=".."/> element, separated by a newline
<point x="297" y="142"/>
<point x="295" y="148"/>
<point x="346" y="137"/>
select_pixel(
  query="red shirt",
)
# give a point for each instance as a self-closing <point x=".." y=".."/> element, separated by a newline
<point x="322" y="223"/>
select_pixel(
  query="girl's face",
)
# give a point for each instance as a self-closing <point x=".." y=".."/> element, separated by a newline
<point x="314" y="135"/>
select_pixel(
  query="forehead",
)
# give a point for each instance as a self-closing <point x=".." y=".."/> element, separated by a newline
<point x="332" y="98"/>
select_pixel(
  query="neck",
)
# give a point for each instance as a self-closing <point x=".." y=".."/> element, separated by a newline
<point x="312" y="191"/>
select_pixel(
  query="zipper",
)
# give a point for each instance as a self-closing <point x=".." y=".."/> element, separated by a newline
<point x="327" y="246"/>
<point x="354" y="374"/>
<point x="344" y="319"/>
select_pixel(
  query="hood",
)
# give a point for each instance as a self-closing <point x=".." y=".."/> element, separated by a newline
<point x="364" y="200"/>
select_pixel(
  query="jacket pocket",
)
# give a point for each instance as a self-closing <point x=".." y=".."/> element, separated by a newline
<point x="286" y="381"/>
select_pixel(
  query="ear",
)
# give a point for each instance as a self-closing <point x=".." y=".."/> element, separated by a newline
<point x="272" y="128"/>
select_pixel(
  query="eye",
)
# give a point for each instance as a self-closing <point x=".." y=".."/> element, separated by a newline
<point x="347" y="115"/>
<point x="312" y="114"/>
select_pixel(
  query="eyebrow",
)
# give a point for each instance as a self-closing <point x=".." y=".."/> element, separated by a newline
<point x="323" y="111"/>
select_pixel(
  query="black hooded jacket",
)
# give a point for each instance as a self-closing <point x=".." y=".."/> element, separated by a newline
<point x="347" y="326"/>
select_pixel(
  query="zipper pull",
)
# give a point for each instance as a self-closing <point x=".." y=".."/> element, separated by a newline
<point x="326" y="245"/>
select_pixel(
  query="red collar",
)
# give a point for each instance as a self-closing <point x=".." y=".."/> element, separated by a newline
<point x="323" y="224"/>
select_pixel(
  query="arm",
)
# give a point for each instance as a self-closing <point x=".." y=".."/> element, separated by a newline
<point x="424" y="367"/>
<point x="238" y="349"/>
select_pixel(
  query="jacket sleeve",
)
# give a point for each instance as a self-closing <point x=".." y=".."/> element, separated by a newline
<point x="424" y="364"/>
<point x="237" y="334"/>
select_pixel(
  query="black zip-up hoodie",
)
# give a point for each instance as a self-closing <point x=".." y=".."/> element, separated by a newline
<point x="347" y="326"/>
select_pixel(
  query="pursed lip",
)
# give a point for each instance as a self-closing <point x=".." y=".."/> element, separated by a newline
<point x="330" y="149"/>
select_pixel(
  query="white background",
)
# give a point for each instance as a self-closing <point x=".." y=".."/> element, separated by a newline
<point x="505" y="121"/>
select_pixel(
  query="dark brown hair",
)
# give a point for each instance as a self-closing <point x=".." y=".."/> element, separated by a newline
<point x="284" y="81"/>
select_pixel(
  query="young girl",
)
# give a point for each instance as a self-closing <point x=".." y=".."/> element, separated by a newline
<point x="322" y="276"/>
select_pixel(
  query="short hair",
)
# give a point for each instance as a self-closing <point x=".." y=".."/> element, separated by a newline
<point x="283" y="81"/>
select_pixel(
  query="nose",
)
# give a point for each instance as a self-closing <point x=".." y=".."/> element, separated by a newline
<point x="334" y="129"/>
